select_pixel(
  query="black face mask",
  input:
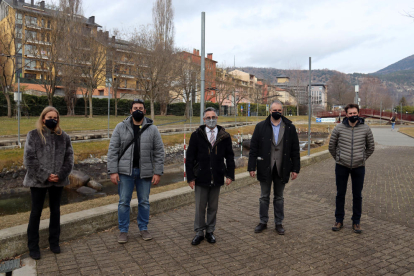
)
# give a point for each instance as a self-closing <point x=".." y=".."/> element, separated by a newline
<point x="138" y="115"/>
<point x="51" y="124"/>
<point x="353" y="119"/>
<point x="276" y="115"/>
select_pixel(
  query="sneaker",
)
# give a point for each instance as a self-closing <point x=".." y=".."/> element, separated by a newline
<point x="123" y="237"/>
<point x="357" y="228"/>
<point x="337" y="226"/>
<point x="146" y="236"/>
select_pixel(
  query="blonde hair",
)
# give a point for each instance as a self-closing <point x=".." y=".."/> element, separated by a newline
<point x="40" y="126"/>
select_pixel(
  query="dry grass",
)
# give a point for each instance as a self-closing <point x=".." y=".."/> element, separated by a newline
<point x="407" y="130"/>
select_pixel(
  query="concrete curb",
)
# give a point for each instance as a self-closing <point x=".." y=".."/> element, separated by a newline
<point x="75" y="225"/>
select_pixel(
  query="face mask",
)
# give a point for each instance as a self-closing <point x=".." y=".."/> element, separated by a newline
<point x="353" y="119"/>
<point x="276" y="115"/>
<point x="51" y="124"/>
<point x="138" y="115"/>
<point x="211" y="123"/>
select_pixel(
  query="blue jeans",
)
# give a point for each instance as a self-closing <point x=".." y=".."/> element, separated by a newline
<point x="125" y="189"/>
<point x="357" y="176"/>
<point x="392" y="125"/>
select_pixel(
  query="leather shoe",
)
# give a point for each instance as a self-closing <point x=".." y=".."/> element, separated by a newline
<point x="55" y="249"/>
<point x="260" y="227"/>
<point x="197" y="239"/>
<point x="279" y="229"/>
<point x="210" y="238"/>
<point x="35" y="254"/>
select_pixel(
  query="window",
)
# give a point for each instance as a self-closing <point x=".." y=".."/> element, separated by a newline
<point x="101" y="92"/>
<point x="19" y="48"/>
<point x="18" y="32"/>
<point x="19" y="18"/>
<point x="30" y="35"/>
<point x="29" y="64"/>
<point x="30" y="21"/>
<point x="30" y="76"/>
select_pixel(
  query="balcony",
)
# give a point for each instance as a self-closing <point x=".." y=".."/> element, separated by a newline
<point x="127" y="88"/>
<point x="124" y="76"/>
<point x="35" y="41"/>
<point x="125" y="63"/>
<point x="35" y="69"/>
<point x="32" y="26"/>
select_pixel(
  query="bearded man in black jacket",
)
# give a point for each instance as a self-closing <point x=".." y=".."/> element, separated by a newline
<point x="209" y="145"/>
<point x="274" y="149"/>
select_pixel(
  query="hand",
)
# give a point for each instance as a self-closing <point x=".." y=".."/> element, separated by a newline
<point x="53" y="178"/>
<point x="115" y="178"/>
<point x="252" y="173"/>
<point x="156" y="179"/>
<point x="294" y="175"/>
<point x="191" y="184"/>
<point x="228" y="181"/>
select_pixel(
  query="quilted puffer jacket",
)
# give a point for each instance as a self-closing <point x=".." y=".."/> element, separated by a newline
<point x="351" y="146"/>
<point x="151" y="158"/>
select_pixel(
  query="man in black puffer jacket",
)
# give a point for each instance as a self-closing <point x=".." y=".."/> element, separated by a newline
<point x="209" y="145"/>
<point x="274" y="148"/>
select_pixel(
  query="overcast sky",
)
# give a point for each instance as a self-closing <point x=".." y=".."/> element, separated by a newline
<point x="348" y="36"/>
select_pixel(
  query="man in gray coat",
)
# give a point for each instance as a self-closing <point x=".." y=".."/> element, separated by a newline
<point x="135" y="158"/>
<point x="350" y="145"/>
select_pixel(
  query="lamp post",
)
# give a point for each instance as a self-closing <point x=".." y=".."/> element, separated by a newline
<point x="356" y="94"/>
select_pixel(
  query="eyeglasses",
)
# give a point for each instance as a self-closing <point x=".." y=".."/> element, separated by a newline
<point x="211" y="118"/>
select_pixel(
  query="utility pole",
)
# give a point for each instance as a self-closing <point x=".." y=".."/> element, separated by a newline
<point x="109" y="102"/>
<point x="203" y="45"/>
<point x="309" y="104"/>
<point x="18" y="110"/>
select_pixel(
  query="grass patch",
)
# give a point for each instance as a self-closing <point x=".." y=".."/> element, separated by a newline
<point x="407" y="130"/>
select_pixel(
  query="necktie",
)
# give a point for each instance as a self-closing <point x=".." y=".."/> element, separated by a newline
<point x="212" y="137"/>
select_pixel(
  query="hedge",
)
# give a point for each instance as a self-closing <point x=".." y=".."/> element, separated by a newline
<point x="33" y="106"/>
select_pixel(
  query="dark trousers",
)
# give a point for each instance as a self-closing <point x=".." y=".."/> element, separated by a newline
<point x="278" y="200"/>
<point x="38" y="199"/>
<point x="357" y="176"/>
<point x="206" y="199"/>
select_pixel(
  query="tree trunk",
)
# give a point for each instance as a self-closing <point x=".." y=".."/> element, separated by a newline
<point x="163" y="108"/>
<point x="187" y="110"/>
<point x="85" y="101"/>
<point x="90" y="105"/>
<point x="50" y="98"/>
<point x="116" y="107"/>
<point x="297" y="108"/>
<point x="7" y="96"/>
<point x="152" y="108"/>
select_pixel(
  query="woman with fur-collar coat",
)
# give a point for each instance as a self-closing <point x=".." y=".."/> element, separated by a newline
<point x="48" y="158"/>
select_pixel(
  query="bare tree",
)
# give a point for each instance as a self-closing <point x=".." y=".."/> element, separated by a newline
<point x="11" y="43"/>
<point x="340" y="89"/>
<point x="296" y="85"/>
<point x="372" y="92"/>
<point x="225" y="86"/>
<point x="152" y="65"/>
<point x="93" y="55"/>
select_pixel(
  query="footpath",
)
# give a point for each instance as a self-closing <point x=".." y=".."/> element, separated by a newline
<point x="309" y="246"/>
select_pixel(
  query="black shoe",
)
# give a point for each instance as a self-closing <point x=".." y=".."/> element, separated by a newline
<point x="197" y="239"/>
<point x="55" y="249"/>
<point x="279" y="229"/>
<point x="35" y="254"/>
<point x="210" y="238"/>
<point x="260" y="227"/>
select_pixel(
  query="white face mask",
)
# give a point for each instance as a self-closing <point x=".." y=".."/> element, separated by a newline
<point x="211" y="123"/>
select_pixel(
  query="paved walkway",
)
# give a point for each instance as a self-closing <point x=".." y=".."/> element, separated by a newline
<point x="308" y="248"/>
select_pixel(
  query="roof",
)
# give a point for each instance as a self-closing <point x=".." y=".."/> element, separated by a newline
<point x="282" y="76"/>
<point x="37" y="9"/>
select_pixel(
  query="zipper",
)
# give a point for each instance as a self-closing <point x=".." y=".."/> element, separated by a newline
<point x="352" y="146"/>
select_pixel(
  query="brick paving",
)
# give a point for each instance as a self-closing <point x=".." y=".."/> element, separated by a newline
<point x="308" y="248"/>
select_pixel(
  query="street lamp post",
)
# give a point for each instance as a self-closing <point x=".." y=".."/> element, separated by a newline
<point x="356" y="93"/>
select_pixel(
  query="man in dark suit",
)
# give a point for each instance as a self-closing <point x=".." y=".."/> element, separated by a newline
<point x="205" y="168"/>
<point x="274" y="149"/>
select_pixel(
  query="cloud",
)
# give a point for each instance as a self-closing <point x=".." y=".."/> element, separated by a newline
<point x="345" y="35"/>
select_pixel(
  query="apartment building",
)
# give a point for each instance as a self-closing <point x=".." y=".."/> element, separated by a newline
<point x="30" y="26"/>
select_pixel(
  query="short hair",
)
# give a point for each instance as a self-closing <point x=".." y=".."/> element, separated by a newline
<point x="139" y="101"/>
<point x="348" y="106"/>
<point x="276" y="102"/>
<point x="209" y="109"/>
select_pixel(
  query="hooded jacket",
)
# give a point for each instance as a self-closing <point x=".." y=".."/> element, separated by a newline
<point x="260" y="148"/>
<point x="43" y="159"/>
<point x="151" y="157"/>
<point x="351" y="146"/>
<point x="205" y="163"/>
